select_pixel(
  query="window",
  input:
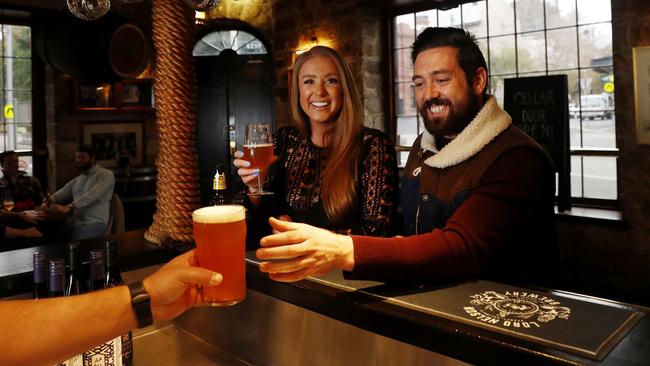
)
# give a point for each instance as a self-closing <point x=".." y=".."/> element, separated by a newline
<point x="243" y="43"/>
<point x="529" y="38"/>
<point x="16" y="82"/>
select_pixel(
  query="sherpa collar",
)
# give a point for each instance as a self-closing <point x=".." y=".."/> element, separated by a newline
<point x="490" y="121"/>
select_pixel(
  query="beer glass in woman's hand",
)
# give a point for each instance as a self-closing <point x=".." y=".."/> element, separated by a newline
<point x="258" y="150"/>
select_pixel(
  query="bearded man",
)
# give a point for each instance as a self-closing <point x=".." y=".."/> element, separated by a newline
<point x="477" y="194"/>
<point x="87" y="197"/>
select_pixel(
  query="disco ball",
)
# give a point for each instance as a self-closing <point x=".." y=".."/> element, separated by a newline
<point x="89" y="9"/>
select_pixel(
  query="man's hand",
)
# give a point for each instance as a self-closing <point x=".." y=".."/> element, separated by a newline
<point x="60" y="209"/>
<point x="31" y="216"/>
<point x="306" y="250"/>
<point x="173" y="288"/>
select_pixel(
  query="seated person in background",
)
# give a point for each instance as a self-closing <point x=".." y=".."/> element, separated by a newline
<point x="478" y="193"/>
<point x="88" y="196"/>
<point x="331" y="171"/>
<point x="23" y="190"/>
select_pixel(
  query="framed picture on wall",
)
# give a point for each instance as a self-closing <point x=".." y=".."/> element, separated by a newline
<point x="93" y="96"/>
<point x="117" y="145"/>
<point x="135" y="94"/>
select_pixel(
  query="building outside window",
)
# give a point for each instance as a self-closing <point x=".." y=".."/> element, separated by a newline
<point x="530" y="38"/>
<point x="16" y="83"/>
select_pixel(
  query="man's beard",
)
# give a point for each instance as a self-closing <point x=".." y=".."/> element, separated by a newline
<point x="85" y="167"/>
<point x="459" y="115"/>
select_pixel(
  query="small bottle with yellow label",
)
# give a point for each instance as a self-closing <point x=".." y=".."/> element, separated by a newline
<point x="219" y="186"/>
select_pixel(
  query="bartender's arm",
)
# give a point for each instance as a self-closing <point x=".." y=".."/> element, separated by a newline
<point x="46" y="331"/>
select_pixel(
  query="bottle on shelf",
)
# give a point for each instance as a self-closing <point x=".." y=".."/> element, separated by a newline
<point x="219" y="186"/>
<point x="114" y="278"/>
<point x="109" y="352"/>
<point x="97" y="270"/>
<point x="40" y="276"/>
<point x="57" y="277"/>
<point x="75" y="283"/>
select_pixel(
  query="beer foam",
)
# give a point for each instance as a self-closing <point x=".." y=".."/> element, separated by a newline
<point x="257" y="146"/>
<point x="219" y="214"/>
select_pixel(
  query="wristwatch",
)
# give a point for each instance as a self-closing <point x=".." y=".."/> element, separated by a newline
<point x="140" y="302"/>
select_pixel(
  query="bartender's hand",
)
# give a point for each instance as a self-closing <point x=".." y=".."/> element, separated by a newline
<point x="173" y="288"/>
<point x="304" y="251"/>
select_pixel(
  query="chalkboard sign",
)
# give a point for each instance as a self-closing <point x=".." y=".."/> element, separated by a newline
<point x="539" y="105"/>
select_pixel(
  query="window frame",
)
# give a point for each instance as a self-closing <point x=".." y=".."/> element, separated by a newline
<point x="573" y="151"/>
<point x="38" y="151"/>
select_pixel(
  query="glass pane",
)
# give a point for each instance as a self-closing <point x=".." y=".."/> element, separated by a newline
<point x="247" y="44"/>
<point x="502" y="55"/>
<point x="450" y="18"/>
<point x="404" y="32"/>
<point x="405" y="99"/>
<point x="20" y="103"/>
<point x="227" y="39"/>
<point x="475" y="18"/>
<point x="403" y="65"/>
<point x="600" y="177"/>
<point x="596" y="82"/>
<point x="576" y="176"/>
<point x="599" y="133"/>
<point x="21" y="41"/>
<point x="560" y="13"/>
<point x="595" y="45"/>
<point x="496" y="87"/>
<point x="531" y="52"/>
<point x="201" y="48"/>
<point x="562" y="48"/>
<point x="530" y="15"/>
<point x="527" y="74"/>
<point x="403" y="158"/>
<point x="483" y="46"/>
<point x="501" y="16"/>
<point x="591" y="11"/>
<point x="425" y="19"/>
<point x="22" y="73"/>
<point x="23" y="136"/>
<point x="407" y="130"/>
<point x="253" y="47"/>
<point x="25" y="164"/>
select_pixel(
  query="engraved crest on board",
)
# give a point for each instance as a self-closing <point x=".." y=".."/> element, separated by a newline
<point x="516" y="309"/>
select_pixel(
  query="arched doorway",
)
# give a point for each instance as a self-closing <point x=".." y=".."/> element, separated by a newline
<point x="234" y="72"/>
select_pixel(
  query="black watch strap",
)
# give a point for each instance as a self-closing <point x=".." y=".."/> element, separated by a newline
<point x="140" y="302"/>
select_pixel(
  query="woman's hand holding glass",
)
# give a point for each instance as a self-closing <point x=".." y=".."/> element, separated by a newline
<point x="257" y="156"/>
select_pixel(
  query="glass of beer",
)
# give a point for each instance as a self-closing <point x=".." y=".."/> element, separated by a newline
<point x="258" y="150"/>
<point x="8" y="201"/>
<point x="220" y="236"/>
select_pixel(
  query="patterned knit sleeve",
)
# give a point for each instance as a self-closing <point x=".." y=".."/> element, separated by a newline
<point x="379" y="184"/>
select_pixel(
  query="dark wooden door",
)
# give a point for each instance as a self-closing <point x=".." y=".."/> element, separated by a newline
<point x="233" y="91"/>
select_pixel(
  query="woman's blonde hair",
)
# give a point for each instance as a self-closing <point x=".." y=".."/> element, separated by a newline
<point x="338" y="190"/>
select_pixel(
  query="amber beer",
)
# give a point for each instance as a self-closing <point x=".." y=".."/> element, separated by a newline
<point x="260" y="156"/>
<point x="220" y="236"/>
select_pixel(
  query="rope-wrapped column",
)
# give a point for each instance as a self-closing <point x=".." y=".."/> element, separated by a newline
<point x="177" y="189"/>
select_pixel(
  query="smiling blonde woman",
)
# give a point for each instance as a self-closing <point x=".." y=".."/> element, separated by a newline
<point x="331" y="171"/>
